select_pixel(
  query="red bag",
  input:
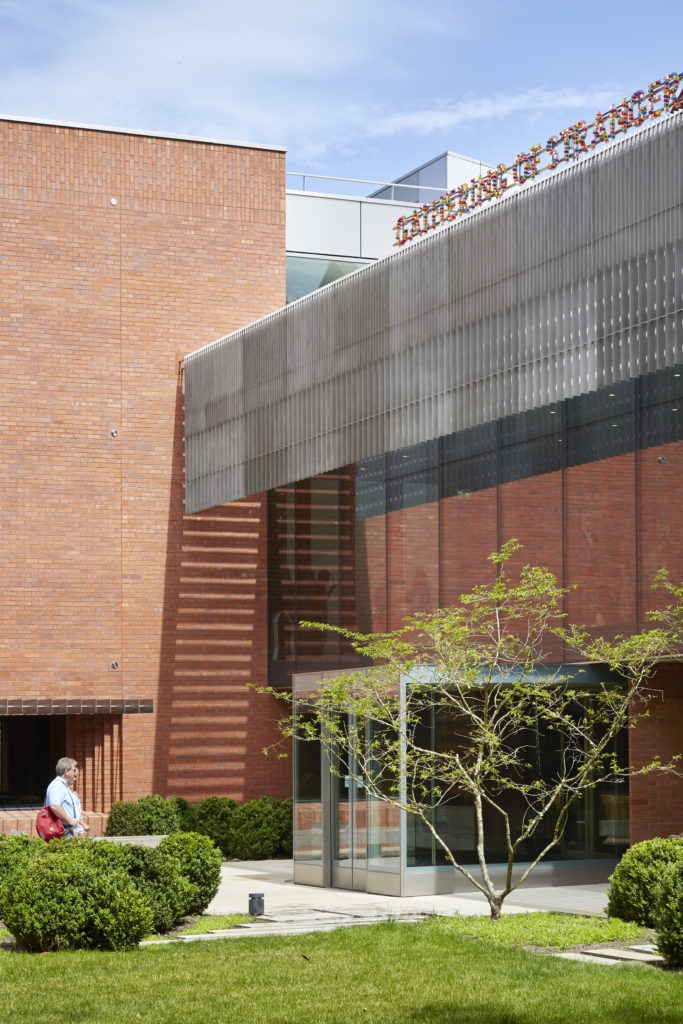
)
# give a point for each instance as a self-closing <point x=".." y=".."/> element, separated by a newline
<point x="48" y="825"/>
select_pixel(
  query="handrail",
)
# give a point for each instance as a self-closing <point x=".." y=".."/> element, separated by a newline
<point x="393" y="185"/>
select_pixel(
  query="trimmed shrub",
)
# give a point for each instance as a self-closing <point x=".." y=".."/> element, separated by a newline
<point x="159" y="815"/>
<point x="669" y="916"/>
<point x="213" y="820"/>
<point x="69" y="902"/>
<point x="15" y="853"/>
<point x="187" y="814"/>
<point x="125" y="819"/>
<point x="159" y="878"/>
<point x="200" y="863"/>
<point x="637" y="879"/>
<point x="149" y="816"/>
<point x="284" y="809"/>
<point x="254" y="830"/>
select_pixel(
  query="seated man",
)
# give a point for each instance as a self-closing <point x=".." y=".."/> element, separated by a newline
<point x="63" y="800"/>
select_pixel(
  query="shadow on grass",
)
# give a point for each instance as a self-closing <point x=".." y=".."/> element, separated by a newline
<point x="481" y="1013"/>
<point x="472" y="1014"/>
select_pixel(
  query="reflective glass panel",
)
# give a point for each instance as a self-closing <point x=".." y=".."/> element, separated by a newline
<point x="305" y="274"/>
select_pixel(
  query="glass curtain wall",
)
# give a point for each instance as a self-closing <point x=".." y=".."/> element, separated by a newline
<point x="409" y="531"/>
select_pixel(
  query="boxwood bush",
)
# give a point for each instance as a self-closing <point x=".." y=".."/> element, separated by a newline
<point x="669" y="916"/>
<point x="635" y="884"/>
<point x="255" y="829"/>
<point x="68" y="901"/>
<point x="149" y="816"/>
<point x="213" y="820"/>
<point x="159" y="878"/>
<point x="125" y="819"/>
<point x="200" y="862"/>
<point x="15" y="853"/>
<point x="187" y="814"/>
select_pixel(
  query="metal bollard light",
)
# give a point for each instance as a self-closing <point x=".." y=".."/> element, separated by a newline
<point x="255" y="903"/>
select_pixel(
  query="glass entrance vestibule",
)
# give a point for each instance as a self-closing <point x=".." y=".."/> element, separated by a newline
<point x="345" y="838"/>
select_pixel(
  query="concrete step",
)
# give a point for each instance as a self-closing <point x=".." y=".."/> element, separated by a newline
<point x="626" y="955"/>
<point x="585" y="958"/>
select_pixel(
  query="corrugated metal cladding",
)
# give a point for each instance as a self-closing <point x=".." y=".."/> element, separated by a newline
<point x="571" y="284"/>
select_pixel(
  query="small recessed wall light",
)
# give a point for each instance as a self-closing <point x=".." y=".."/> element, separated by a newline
<point x="113" y="201"/>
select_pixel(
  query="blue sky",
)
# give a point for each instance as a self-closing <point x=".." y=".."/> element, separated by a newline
<point x="356" y="88"/>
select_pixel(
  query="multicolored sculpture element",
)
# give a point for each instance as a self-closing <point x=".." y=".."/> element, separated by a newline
<point x="663" y="97"/>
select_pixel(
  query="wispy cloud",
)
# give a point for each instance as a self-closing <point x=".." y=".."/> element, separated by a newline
<point x="446" y="115"/>
<point x="332" y="82"/>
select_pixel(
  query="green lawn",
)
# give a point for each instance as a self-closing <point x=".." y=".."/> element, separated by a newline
<point x="202" y="926"/>
<point x="385" y="974"/>
<point x="559" y="931"/>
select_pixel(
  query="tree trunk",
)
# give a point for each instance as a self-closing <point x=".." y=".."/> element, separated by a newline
<point x="496" y="907"/>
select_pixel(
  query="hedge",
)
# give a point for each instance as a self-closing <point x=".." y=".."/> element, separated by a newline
<point x="71" y="902"/>
<point x="637" y="879"/>
<point x="200" y="862"/>
<point x="255" y="830"/>
<point x="159" y="877"/>
<point x="669" y="916"/>
<point x="264" y="830"/>
<point x="15" y="853"/>
<point x="213" y="820"/>
<point x="149" y="816"/>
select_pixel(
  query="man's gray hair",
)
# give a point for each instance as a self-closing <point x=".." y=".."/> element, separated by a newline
<point x="64" y="764"/>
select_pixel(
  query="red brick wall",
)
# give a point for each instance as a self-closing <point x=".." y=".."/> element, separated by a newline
<point x="601" y="511"/>
<point x="99" y="302"/>
<point x="412" y="561"/>
<point x="469" y="532"/>
<point x="656" y="799"/>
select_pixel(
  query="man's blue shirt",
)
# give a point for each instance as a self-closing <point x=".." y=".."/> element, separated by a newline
<point x="58" y="792"/>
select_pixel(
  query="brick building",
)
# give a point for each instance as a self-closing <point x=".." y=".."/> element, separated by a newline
<point x="352" y="457"/>
<point x="127" y="630"/>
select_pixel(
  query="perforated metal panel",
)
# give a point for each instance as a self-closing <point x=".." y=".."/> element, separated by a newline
<point x="571" y="284"/>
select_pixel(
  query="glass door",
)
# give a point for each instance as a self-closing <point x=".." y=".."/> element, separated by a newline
<point x="349" y="827"/>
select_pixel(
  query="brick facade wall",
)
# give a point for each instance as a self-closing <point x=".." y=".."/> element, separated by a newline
<point x="98" y="563"/>
<point x="604" y="528"/>
<point x="656" y="799"/>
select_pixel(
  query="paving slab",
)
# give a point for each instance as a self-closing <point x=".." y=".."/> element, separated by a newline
<point x="585" y="958"/>
<point x="627" y="955"/>
<point x="274" y="879"/>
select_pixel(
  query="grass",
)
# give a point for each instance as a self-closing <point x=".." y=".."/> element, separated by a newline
<point x="214" y="923"/>
<point x="550" y="931"/>
<point x="203" y="925"/>
<point x="391" y="973"/>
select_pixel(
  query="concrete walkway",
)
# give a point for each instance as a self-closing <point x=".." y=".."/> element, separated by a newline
<point x="283" y="900"/>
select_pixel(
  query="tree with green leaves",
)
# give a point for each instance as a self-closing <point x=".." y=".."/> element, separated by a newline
<point x="480" y="671"/>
